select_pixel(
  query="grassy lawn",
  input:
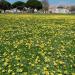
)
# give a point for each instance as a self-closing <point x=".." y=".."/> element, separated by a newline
<point x="37" y="44"/>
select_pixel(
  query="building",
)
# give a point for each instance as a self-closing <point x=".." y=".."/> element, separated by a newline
<point x="58" y="9"/>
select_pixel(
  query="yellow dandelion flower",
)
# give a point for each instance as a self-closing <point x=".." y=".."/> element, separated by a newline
<point x="42" y="45"/>
<point x="65" y="72"/>
<point x="46" y="72"/>
<point x="3" y="59"/>
<point x="61" y="62"/>
<point x="73" y="65"/>
<point x="7" y="60"/>
<point x="55" y="64"/>
<point x="51" y="73"/>
<point x="9" y="70"/>
<point x="47" y="59"/>
<point x="13" y="73"/>
<point x="21" y="41"/>
<point x="73" y="73"/>
<point x="12" y="53"/>
<point x="9" y="66"/>
<point x="0" y="68"/>
<point x="18" y="64"/>
<point x="15" y="46"/>
<point x="17" y="58"/>
<point x="62" y="46"/>
<point x="32" y="65"/>
<point x="25" y="73"/>
<point x="4" y="54"/>
<point x="59" y="74"/>
<point x="35" y="74"/>
<point x="3" y="70"/>
<point x="36" y="60"/>
<point x="20" y="70"/>
<point x="5" y="63"/>
<point x="21" y="65"/>
<point x="59" y="71"/>
<point x="45" y="68"/>
<point x="64" y="66"/>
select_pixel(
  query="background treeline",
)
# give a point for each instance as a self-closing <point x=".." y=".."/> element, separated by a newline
<point x="22" y="6"/>
<point x="30" y="6"/>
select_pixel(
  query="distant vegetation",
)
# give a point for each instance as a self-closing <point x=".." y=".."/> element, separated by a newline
<point x="32" y="4"/>
<point x="4" y="5"/>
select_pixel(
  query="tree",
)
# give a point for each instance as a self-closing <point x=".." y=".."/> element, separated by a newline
<point x="72" y="9"/>
<point x="19" y="5"/>
<point x="45" y="5"/>
<point x="34" y="4"/>
<point x="60" y="7"/>
<point x="4" y="5"/>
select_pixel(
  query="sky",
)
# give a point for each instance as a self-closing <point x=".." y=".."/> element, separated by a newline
<point x="53" y="2"/>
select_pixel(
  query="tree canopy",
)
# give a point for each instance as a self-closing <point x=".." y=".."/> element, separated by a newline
<point x="34" y="4"/>
<point x="4" y="5"/>
<point x="72" y="8"/>
<point x="45" y="5"/>
<point x="19" y="5"/>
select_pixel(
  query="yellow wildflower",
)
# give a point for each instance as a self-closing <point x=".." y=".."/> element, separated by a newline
<point x="59" y="74"/>
<point x="9" y="70"/>
<point x="32" y="65"/>
<point x="51" y="73"/>
<point x="3" y="70"/>
<point x="46" y="72"/>
<point x="5" y="63"/>
<point x="13" y="73"/>
<point x="19" y="70"/>
<point x="73" y="73"/>
<point x="25" y="73"/>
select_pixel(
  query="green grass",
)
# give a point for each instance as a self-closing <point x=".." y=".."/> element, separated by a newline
<point x="37" y="44"/>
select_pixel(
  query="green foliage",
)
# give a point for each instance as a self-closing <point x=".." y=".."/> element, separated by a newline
<point x="4" y="5"/>
<point x="19" y="5"/>
<point x="34" y="4"/>
<point x="37" y="44"/>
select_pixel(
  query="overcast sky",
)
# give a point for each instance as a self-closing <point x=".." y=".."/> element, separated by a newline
<point x="54" y="2"/>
